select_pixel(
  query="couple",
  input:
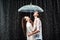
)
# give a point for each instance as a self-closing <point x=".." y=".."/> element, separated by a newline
<point x="33" y="30"/>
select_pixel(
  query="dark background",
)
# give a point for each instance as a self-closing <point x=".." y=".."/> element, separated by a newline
<point x="10" y="19"/>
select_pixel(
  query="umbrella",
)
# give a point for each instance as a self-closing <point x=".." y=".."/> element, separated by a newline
<point x="30" y="8"/>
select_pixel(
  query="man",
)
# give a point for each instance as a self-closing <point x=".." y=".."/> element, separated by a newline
<point x="37" y="28"/>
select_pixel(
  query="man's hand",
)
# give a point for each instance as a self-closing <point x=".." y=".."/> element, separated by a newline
<point x="30" y="34"/>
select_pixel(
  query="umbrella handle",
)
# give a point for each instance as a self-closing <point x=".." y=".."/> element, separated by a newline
<point x="30" y="14"/>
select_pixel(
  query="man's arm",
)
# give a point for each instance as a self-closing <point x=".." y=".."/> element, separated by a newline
<point x="36" y="31"/>
<point x="33" y="32"/>
<point x="38" y="27"/>
<point x="38" y="23"/>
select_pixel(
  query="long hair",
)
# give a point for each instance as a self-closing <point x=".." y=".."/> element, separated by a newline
<point x="24" y="25"/>
<point x="31" y="22"/>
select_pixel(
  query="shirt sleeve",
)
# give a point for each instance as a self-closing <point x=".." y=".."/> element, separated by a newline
<point x="39" y="24"/>
<point x="34" y="26"/>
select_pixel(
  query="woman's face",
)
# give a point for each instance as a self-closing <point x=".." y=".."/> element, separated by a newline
<point x="27" y="18"/>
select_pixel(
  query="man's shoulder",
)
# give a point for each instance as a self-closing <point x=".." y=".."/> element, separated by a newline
<point x="38" y="18"/>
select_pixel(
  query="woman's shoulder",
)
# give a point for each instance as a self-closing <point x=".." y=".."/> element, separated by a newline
<point x="28" y="23"/>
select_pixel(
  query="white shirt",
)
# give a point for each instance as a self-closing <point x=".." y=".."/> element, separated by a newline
<point x="38" y="26"/>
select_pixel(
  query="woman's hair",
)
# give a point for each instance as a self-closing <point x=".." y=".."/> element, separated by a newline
<point x="24" y="24"/>
<point x="31" y="22"/>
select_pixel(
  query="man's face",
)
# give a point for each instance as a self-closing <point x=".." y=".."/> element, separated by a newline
<point x="35" y="14"/>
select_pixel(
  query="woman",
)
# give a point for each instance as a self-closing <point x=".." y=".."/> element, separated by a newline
<point x="27" y="27"/>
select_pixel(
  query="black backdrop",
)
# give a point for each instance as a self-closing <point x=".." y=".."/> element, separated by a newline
<point x="10" y="19"/>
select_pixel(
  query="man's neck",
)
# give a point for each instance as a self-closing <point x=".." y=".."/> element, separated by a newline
<point x="35" y="17"/>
